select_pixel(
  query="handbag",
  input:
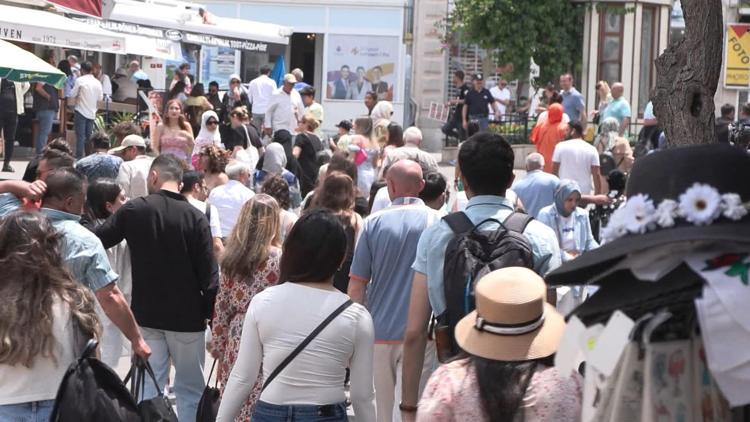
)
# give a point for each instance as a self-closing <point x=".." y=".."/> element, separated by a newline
<point x="305" y="342"/>
<point x="208" y="406"/>
<point x="157" y="409"/>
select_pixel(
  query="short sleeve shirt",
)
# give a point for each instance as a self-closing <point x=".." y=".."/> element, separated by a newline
<point x="478" y="102"/>
<point x="573" y="104"/>
<point x="97" y="166"/>
<point x="618" y="108"/>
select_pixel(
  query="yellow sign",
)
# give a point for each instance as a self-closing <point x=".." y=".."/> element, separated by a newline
<point x="737" y="63"/>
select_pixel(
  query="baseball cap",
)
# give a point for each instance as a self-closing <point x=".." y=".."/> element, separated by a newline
<point x="130" y="141"/>
<point x="345" y="124"/>
<point x="477" y="77"/>
<point x="290" y="79"/>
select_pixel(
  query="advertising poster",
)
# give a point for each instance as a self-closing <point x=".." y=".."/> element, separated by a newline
<point x="358" y="64"/>
<point x="218" y="63"/>
<point x="737" y="63"/>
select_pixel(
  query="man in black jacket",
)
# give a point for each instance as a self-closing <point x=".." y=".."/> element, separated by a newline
<point x="175" y="278"/>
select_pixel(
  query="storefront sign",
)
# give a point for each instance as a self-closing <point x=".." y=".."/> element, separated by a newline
<point x="218" y="63"/>
<point x="173" y="34"/>
<point x="60" y="38"/>
<point x="127" y="28"/>
<point x="206" y="39"/>
<point x="357" y="64"/>
<point x="737" y="63"/>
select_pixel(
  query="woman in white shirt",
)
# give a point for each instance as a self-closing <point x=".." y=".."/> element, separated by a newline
<point x="42" y="309"/>
<point x="311" y="386"/>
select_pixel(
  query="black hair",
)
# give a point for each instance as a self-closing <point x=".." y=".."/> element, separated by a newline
<point x="99" y="192"/>
<point x="185" y="66"/>
<point x="64" y="66"/>
<point x="198" y="90"/>
<point x="345" y="66"/>
<point x="314" y="249"/>
<point x="486" y="163"/>
<point x="57" y="158"/>
<point x="189" y="179"/>
<point x="459" y="74"/>
<point x="616" y="179"/>
<point x="372" y="94"/>
<point x="374" y="188"/>
<point x="395" y="134"/>
<point x="434" y="186"/>
<point x="100" y="140"/>
<point x="340" y="162"/>
<point x="168" y="166"/>
<point x="213" y="83"/>
<point x="63" y="183"/>
<point x="308" y="90"/>
<point x="556" y="98"/>
<point x="86" y="67"/>
<point x="178" y="87"/>
<point x="577" y="127"/>
<point x="265" y="69"/>
<point x="144" y="84"/>
<point x="726" y="110"/>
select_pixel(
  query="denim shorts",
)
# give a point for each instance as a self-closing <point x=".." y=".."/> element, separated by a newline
<point x="35" y="411"/>
<point x="266" y="412"/>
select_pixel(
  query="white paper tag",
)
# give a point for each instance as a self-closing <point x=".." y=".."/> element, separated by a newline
<point x="610" y="343"/>
<point x="569" y="354"/>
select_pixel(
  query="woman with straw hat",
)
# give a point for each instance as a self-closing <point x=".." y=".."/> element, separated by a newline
<point x="507" y="372"/>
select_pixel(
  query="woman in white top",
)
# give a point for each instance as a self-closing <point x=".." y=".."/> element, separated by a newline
<point x="208" y="135"/>
<point x="311" y="387"/>
<point x="41" y="306"/>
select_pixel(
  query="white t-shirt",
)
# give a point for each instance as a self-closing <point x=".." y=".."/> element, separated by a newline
<point x="382" y="200"/>
<point x="87" y="91"/>
<point x="576" y="157"/>
<point x="259" y="91"/>
<point x="213" y="221"/>
<point x="500" y="94"/>
<point x="229" y="199"/>
<point x="566" y="231"/>
<point x="133" y="176"/>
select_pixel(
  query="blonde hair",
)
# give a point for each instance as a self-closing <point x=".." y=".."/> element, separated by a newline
<point x="257" y="229"/>
<point x="310" y="122"/>
<point x="605" y="85"/>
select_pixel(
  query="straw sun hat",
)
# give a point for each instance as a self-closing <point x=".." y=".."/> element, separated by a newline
<point x="512" y="320"/>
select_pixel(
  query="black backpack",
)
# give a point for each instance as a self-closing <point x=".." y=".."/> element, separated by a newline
<point x="91" y="391"/>
<point x="471" y="254"/>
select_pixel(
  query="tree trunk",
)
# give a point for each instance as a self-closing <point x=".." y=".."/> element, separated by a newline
<point x="687" y="74"/>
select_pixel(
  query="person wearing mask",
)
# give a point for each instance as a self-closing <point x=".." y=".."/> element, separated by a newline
<point x="536" y="190"/>
<point x="46" y="106"/>
<point x="174" y="135"/>
<point x="359" y="87"/>
<point x="133" y="172"/>
<point x="312" y="384"/>
<point x="234" y="97"/>
<point x="278" y="189"/>
<point x="371" y="98"/>
<point x="175" y="278"/>
<point x="274" y="164"/>
<point x="336" y="194"/>
<point x="103" y="78"/>
<point x="570" y="222"/>
<point x="307" y="146"/>
<point x="194" y="189"/>
<point x="103" y="198"/>
<point x="250" y="265"/>
<point x="86" y="93"/>
<point x="208" y="135"/>
<point x="213" y="162"/>
<point x="285" y="108"/>
<point x="100" y="163"/>
<point x="230" y="197"/>
<point x="547" y="135"/>
<point x="11" y="105"/>
<point x="485" y="163"/>
<point x="505" y="374"/>
<point x="260" y="91"/>
<point x="36" y="352"/>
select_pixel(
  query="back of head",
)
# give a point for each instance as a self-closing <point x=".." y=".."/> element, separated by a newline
<point x="534" y="161"/>
<point x="86" y="67"/>
<point x="275" y="186"/>
<point x="265" y="69"/>
<point x="99" y="192"/>
<point x="56" y="158"/>
<point x="363" y="126"/>
<point x="189" y="179"/>
<point x="341" y="163"/>
<point x="298" y="74"/>
<point x="198" y="90"/>
<point x="123" y="129"/>
<point x="486" y="163"/>
<point x="314" y="249"/>
<point x="413" y="136"/>
<point x="459" y="74"/>
<point x="434" y="186"/>
<point x="727" y="110"/>
<point x="336" y="193"/>
<point x="395" y="135"/>
<point x="256" y="230"/>
<point x="100" y="140"/>
<point x="576" y="130"/>
<point x="236" y="169"/>
<point x="59" y="144"/>
<point x="404" y="179"/>
<point x="746" y="109"/>
<point x="63" y="183"/>
<point x="168" y="167"/>
<point x="282" y="136"/>
<point x="217" y="159"/>
<point x="308" y="91"/>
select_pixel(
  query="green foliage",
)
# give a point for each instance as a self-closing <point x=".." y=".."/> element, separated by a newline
<point x="550" y="31"/>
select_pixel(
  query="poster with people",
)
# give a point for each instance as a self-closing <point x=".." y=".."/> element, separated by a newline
<point x="358" y="64"/>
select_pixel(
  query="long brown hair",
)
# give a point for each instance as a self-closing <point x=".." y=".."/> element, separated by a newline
<point x="35" y="278"/>
<point x="181" y="121"/>
<point x="336" y="193"/>
<point x="257" y="229"/>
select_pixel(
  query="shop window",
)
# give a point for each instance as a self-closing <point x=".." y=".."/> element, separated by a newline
<point x="610" y="44"/>
<point x="649" y="41"/>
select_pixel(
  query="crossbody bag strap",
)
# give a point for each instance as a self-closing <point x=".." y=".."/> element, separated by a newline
<point x="305" y="342"/>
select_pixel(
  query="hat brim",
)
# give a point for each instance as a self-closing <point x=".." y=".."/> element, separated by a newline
<point x="540" y="343"/>
<point x="118" y="149"/>
<point x="586" y="268"/>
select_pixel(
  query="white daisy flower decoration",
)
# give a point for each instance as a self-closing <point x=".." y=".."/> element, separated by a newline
<point x="666" y="212"/>
<point x="733" y="207"/>
<point x="638" y="214"/>
<point x="700" y="204"/>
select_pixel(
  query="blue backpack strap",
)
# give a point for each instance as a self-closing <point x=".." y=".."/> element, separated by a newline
<point x="459" y="222"/>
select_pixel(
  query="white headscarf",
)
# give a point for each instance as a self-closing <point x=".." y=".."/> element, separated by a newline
<point x="274" y="160"/>
<point x="383" y="110"/>
<point x="205" y="133"/>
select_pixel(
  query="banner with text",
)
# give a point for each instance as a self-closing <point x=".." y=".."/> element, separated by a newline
<point x="737" y="62"/>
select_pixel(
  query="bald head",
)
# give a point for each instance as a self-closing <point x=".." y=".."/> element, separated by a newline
<point x="617" y="90"/>
<point x="404" y="179"/>
<point x="534" y="161"/>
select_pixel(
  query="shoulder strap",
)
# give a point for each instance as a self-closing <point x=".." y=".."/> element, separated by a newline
<point x="459" y="222"/>
<point x="517" y="221"/>
<point x="208" y="211"/>
<point x="305" y="342"/>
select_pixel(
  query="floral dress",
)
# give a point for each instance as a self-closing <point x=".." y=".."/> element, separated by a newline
<point x="232" y="302"/>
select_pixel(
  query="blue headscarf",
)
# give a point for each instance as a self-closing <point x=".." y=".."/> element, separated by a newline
<point x="564" y="189"/>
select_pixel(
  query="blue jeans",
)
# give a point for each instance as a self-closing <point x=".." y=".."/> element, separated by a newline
<point x="482" y="121"/>
<point x="186" y="351"/>
<point x="84" y="128"/>
<point x="267" y="412"/>
<point x="45" y="117"/>
<point x="34" y="411"/>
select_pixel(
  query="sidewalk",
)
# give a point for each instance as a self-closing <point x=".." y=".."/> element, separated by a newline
<point x="21" y="157"/>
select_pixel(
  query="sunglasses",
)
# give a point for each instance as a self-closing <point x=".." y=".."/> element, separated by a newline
<point x="211" y="122"/>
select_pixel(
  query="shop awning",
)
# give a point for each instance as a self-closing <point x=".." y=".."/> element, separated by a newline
<point x="20" y="65"/>
<point x="185" y="24"/>
<point x="152" y="47"/>
<point x="46" y="28"/>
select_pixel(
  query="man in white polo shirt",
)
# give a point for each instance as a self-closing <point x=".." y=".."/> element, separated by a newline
<point x="86" y="92"/>
<point x="230" y="197"/>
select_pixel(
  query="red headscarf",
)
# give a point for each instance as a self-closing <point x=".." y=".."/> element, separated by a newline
<point x="546" y="135"/>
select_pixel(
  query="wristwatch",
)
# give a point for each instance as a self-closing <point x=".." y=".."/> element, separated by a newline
<point x="407" y="408"/>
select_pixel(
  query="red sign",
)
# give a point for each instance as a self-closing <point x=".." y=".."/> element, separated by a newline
<point x="89" y="7"/>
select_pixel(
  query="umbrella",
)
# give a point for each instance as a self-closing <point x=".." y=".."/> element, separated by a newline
<point x="279" y="69"/>
<point x="18" y="65"/>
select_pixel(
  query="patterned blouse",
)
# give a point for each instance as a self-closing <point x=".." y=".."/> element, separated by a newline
<point x="232" y="300"/>
<point x="452" y="394"/>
